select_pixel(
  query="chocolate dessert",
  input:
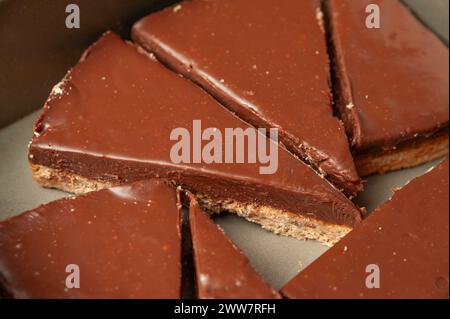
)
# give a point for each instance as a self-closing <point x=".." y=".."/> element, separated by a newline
<point x="266" y="60"/>
<point x="222" y="270"/>
<point x="110" y="121"/>
<point x="391" y="85"/>
<point x="122" y="242"/>
<point x="399" y="251"/>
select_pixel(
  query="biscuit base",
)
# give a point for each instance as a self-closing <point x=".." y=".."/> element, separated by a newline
<point x="273" y="219"/>
<point x="404" y="156"/>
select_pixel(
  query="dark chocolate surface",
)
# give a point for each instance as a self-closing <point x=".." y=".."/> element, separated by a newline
<point x="392" y="81"/>
<point x="222" y="270"/>
<point x="112" y="121"/>
<point x="125" y="241"/>
<point x="267" y="61"/>
<point x="407" y="238"/>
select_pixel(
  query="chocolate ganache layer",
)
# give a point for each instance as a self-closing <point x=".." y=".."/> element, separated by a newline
<point x="399" y="251"/>
<point x="391" y="84"/>
<point x="122" y="242"/>
<point x="109" y="122"/>
<point x="222" y="269"/>
<point x="266" y="60"/>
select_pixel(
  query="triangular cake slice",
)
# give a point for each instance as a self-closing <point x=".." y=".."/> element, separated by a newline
<point x="399" y="251"/>
<point x="222" y="270"/>
<point x="406" y="124"/>
<point x="110" y="122"/>
<point x="266" y="61"/>
<point x="122" y="242"/>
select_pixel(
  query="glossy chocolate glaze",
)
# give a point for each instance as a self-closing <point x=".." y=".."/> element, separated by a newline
<point x="393" y="81"/>
<point x="407" y="238"/>
<point x="222" y="270"/>
<point x="125" y="241"/>
<point x="267" y="61"/>
<point x="113" y="118"/>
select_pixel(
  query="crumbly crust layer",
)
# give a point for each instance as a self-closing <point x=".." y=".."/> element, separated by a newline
<point x="279" y="221"/>
<point x="408" y="155"/>
<point x="66" y="181"/>
<point x="270" y="218"/>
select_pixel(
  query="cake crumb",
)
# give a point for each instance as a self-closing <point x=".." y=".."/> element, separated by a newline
<point x="350" y="106"/>
<point x="177" y="8"/>
<point x="319" y="17"/>
<point x="345" y="248"/>
<point x="204" y="279"/>
<point x="57" y="90"/>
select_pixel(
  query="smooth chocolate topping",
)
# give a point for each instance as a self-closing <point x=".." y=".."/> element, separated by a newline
<point x="267" y="61"/>
<point x="407" y="238"/>
<point x="222" y="270"/>
<point x="392" y="81"/>
<point x="112" y="119"/>
<point x="124" y="240"/>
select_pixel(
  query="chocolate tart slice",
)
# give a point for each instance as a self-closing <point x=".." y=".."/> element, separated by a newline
<point x="222" y="269"/>
<point x="399" y="251"/>
<point x="122" y="242"/>
<point x="266" y="60"/>
<point x="110" y="122"/>
<point x="391" y="85"/>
